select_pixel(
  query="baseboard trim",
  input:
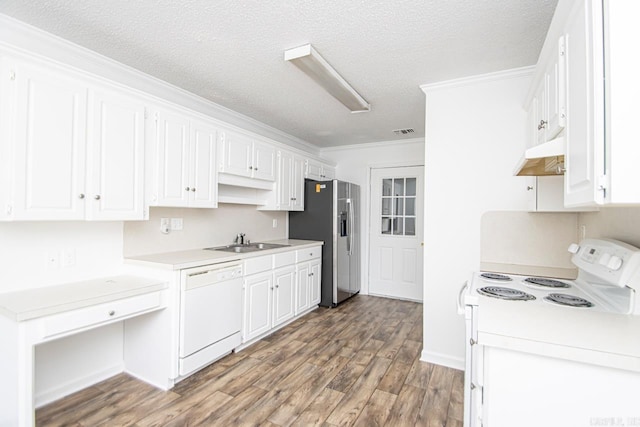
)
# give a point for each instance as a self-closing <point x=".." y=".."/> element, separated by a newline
<point x="442" y="359"/>
<point x="47" y="396"/>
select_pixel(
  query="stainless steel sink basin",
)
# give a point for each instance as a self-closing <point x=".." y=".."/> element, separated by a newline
<point x="251" y="247"/>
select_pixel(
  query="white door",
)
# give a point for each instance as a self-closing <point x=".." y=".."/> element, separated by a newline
<point x="49" y="144"/>
<point x="236" y="154"/>
<point x="285" y="170"/>
<point x="264" y="161"/>
<point x="395" y="233"/>
<point x="314" y="283"/>
<point x="297" y="184"/>
<point x="116" y="157"/>
<point x="284" y="283"/>
<point x="258" y="293"/>
<point x="204" y="177"/>
<point x="173" y="159"/>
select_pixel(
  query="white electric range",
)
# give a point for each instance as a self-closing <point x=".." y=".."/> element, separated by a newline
<point x="547" y="351"/>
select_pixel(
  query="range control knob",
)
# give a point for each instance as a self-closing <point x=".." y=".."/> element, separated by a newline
<point x="615" y="262"/>
<point x="573" y="248"/>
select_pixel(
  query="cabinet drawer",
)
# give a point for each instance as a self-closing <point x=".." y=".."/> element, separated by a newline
<point x="258" y="264"/>
<point x="103" y="313"/>
<point x="309" y="253"/>
<point x="285" y="258"/>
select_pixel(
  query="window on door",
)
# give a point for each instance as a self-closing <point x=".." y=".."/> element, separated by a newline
<point x="398" y="213"/>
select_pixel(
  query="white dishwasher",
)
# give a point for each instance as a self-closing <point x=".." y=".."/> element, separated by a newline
<point x="210" y="314"/>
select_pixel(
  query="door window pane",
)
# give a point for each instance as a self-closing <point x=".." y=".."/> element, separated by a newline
<point x="398" y="203"/>
<point x="411" y="186"/>
<point x="386" y="206"/>
<point x="386" y="225"/>
<point x="398" y="187"/>
<point x="397" y="226"/>
<point x="409" y="226"/>
<point x="410" y="206"/>
<point x="386" y="187"/>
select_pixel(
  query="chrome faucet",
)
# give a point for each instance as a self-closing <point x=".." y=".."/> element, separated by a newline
<point x="240" y="238"/>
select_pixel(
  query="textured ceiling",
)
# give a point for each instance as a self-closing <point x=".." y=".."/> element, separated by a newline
<point x="231" y="52"/>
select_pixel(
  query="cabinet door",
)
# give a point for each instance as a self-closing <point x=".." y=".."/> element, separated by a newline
<point x="297" y="184"/>
<point x="203" y="182"/>
<point x="284" y="281"/>
<point x="284" y="182"/>
<point x="115" y="167"/>
<point x="313" y="169"/>
<point x="555" y="83"/>
<point x="173" y="159"/>
<point x="264" y="161"/>
<point x="541" y="113"/>
<point x="236" y="154"/>
<point x="314" y="284"/>
<point x="328" y="172"/>
<point x="48" y="142"/>
<point x="302" y="287"/>
<point x="258" y="294"/>
<point x="584" y="157"/>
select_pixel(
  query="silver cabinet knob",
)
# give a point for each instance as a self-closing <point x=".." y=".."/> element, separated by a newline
<point x="111" y="313"/>
<point x="250" y="168"/>
<point x="255" y="169"/>
<point x="529" y="187"/>
<point x="277" y="286"/>
<point x="97" y="197"/>
<point x="193" y="189"/>
<point x="542" y="124"/>
<point x="473" y="386"/>
<point x="81" y="196"/>
<point x="472" y="341"/>
<point x="187" y="189"/>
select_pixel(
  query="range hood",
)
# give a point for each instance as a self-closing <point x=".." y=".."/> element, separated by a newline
<point x="544" y="159"/>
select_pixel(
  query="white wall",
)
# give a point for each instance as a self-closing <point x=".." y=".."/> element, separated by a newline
<point x="202" y="228"/>
<point x="475" y="133"/>
<point x="354" y="164"/>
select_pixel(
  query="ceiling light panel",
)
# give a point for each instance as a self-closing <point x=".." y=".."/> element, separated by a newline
<point x="315" y="66"/>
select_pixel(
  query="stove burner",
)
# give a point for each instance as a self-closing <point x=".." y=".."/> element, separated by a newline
<point x="496" y="276"/>
<point x="505" y="293"/>
<point x="547" y="283"/>
<point x="568" y="300"/>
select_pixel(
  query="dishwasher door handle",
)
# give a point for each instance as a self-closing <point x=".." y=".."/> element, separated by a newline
<point x="461" y="293"/>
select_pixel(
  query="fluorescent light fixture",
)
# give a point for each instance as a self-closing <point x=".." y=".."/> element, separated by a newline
<point x="315" y="66"/>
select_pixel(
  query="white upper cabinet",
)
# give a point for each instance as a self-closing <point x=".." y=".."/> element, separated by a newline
<point x="548" y="107"/>
<point x="116" y="156"/>
<point x="243" y="156"/>
<point x="319" y="171"/>
<point x="185" y="161"/>
<point x="290" y="183"/>
<point x="584" y="156"/>
<point x="74" y="149"/>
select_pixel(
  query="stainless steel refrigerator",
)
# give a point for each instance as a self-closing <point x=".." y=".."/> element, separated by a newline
<point x="332" y="214"/>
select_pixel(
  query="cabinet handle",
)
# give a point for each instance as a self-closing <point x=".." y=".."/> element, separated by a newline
<point x="472" y="341"/>
<point x="542" y="124"/>
<point x="193" y="189"/>
<point x="97" y="197"/>
<point x="81" y="196"/>
<point x="473" y="386"/>
<point x="272" y="288"/>
<point x="255" y="169"/>
<point x="111" y="313"/>
<point x="250" y="168"/>
<point x="529" y="187"/>
<point x="187" y="189"/>
<point x="277" y="286"/>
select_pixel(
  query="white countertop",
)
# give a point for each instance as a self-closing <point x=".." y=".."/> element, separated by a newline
<point x="197" y="257"/>
<point x="38" y="302"/>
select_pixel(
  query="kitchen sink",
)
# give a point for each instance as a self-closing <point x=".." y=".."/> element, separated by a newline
<point x="249" y="247"/>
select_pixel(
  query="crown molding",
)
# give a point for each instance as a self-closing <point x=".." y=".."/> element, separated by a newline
<point x="17" y="34"/>
<point x="481" y="78"/>
<point x="374" y="144"/>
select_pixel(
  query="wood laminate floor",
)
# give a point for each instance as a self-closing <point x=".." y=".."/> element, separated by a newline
<point x="357" y="364"/>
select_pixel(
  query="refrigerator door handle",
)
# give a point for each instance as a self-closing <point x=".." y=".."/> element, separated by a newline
<point x="349" y="226"/>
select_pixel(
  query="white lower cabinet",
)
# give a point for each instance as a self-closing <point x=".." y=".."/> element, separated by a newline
<point x="258" y="297"/>
<point x="277" y="288"/>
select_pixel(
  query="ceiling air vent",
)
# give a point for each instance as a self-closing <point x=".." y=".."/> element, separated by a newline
<point x="403" y="131"/>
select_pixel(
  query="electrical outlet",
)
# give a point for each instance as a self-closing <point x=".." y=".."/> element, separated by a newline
<point x="275" y="223"/>
<point x="164" y="225"/>
<point x="176" y="223"/>
<point x="68" y="258"/>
